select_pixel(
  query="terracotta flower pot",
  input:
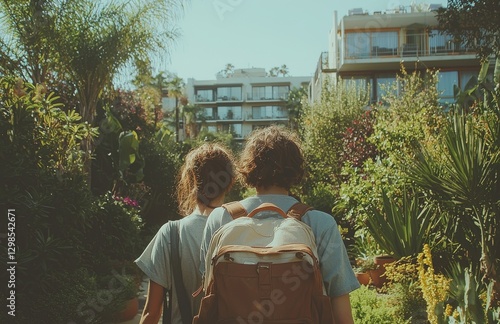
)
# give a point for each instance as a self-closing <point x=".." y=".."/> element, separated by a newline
<point x="130" y="311"/>
<point x="363" y="278"/>
<point x="378" y="276"/>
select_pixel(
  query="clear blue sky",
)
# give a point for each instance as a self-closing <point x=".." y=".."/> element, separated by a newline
<point x="258" y="33"/>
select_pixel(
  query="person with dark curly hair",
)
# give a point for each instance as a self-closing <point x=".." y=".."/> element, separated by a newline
<point x="272" y="162"/>
<point x="205" y="177"/>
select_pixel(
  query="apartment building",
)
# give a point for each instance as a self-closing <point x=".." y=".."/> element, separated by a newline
<point x="246" y="100"/>
<point x="370" y="48"/>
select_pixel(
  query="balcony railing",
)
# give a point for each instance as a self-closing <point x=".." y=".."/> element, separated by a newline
<point x="229" y="98"/>
<point x="421" y="44"/>
<point x="199" y="98"/>
<point x="283" y="97"/>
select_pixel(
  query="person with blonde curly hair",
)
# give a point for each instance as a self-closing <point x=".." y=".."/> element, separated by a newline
<point x="272" y="162"/>
<point x="205" y="177"/>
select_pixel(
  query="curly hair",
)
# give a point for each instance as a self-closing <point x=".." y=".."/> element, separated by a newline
<point x="207" y="173"/>
<point x="272" y="156"/>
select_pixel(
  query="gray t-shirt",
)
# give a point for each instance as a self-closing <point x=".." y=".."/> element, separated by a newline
<point x="155" y="260"/>
<point x="338" y="276"/>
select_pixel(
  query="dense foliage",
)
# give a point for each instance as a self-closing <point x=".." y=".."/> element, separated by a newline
<point x="73" y="241"/>
<point x="473" y="23"/>
<point x="410" y="173"/>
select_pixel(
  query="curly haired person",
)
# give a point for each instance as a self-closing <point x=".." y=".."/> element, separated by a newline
<point x="205" y="177"/>
<point x="272" y="162"/>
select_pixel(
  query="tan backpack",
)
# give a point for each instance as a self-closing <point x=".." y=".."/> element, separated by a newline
<point x="263" y="268"/>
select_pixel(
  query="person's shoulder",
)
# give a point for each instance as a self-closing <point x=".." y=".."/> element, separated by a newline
<point x="193" y="218"/>
<point x="317" y="216"/>
<point x="165" y="228"/>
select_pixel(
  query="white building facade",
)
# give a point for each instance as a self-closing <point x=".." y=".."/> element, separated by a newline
<point x="246" y="100"/>
<point x="372" y="48"/>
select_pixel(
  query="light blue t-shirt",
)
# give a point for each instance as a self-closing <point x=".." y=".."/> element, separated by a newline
<point x="156" y="264"/>
<point x="338" y="276"/>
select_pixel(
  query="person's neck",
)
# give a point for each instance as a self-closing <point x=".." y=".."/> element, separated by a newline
<point x="271" y="190"/>
<point x="206" y="209"/>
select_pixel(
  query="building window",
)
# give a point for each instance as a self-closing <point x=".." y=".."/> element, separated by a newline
<point x="229" y="93"/>
<point x="204" y="95"/>
<point x="269" y="112"/>
<point x="270" y="92"/>
<point x="371" y="44"/>
<point x="235" y="129"/>
<point x="447" y="80"/>
<point x="357" y="45"/>
<point x="384" y="43"/>
<point x="386" y="86"/>
<point x="466" y="76"/>
<point x="440" y="42"/>
<point x="208" y="113"/>
<point x="229" y="112"/>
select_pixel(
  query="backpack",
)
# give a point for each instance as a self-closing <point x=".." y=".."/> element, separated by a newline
<point x="263" y="268"/>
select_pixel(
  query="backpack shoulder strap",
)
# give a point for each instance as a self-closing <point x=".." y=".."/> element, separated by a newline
<point x="235" y="209"/>
<point x="182" y="296"/>
<point x="298" y="210"/>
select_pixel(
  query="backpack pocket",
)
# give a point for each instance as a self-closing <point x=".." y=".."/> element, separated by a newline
<point x="208" y="310"/>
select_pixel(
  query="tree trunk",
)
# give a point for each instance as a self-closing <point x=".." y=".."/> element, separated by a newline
<point x="176" y="119"/>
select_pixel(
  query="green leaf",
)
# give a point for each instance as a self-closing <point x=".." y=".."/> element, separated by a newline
<point x="128" y="148"/>
<point x="496" y="74"/>
<point x="110" y="124"/>
<point x="483" y="72"/>
<point x="401" y="228"/>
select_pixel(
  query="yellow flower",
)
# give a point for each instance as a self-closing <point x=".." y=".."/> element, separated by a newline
<point x="448" y="310"/>
<point x="434" y="287"/>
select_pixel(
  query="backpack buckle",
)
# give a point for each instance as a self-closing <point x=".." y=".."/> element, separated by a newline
<point x="264" y="266"/>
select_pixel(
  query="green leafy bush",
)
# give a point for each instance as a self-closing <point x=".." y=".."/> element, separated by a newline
<point x="58" y="220"/>
<point x="402" y="228"/>
<point x="323" y="126"/>
<point x="370" y="307"/>
<point x="404" y="293"/>
<point x="114" y="232"/>
<point x="63" y="299"/>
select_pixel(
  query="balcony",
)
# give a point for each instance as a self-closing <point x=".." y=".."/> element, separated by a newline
<point x="268" y="113"/>
<point x="229" y="98"/>
<point x="203" y="99"/>
<point x="283" y="97"/>
<point x="377" y="51"/>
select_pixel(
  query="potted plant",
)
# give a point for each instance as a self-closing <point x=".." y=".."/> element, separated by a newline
<point x="126" y="297"/>
<point x="400" y="227"/>
<point x="363" y="268"/>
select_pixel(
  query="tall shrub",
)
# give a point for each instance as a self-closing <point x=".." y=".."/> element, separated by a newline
<point x="41" y="180"/>
<point x="411" y="115"/>
<point x="322" y="130"/>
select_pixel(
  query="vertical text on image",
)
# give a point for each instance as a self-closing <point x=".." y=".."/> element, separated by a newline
<point x="11" y="262"/>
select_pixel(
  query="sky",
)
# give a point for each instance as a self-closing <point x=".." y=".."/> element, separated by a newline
<point x="258" y="33"/>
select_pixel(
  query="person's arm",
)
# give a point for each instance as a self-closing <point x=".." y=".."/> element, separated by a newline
<point x="341" y="307"/>
<point x="154" y="303"/>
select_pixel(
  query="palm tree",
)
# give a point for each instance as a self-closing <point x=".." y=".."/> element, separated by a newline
<point x="277" y="70"/>
<point x="175" y="89"/>
<point x="86" y="42"/>
<point x="273" y="72"/>
<point x="228" y="71"/>
<point x="189" y="113"/>
<point x="24" y="41"/>
<point x="283" y="70"/>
